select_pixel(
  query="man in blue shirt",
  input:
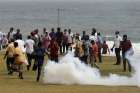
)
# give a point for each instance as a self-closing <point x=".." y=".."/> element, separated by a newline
<point x="39" y="59"/>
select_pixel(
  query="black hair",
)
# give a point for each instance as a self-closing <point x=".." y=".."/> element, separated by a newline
<point x="44" y="29"/>
<point x="65" y="30"/>
<point x="18" y="30"/>
<point x="69" y="30"/>
<point x="52" y="29"/>
<point x="117" y="32"/>
<point x="92" y="41"/>
<point x="84" y="32"/>
<point x="15" y="44"/>
<point x="58" y="29"/>
<point x="125" y="35"/>
<point x="93" y="31"/>
<point x="29" y="37"/>
<point x="11" y="29"/>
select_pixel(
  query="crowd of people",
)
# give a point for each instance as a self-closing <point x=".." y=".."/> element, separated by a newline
<point x="87" y="47"/>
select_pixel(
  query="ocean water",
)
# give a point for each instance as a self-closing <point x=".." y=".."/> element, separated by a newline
<point x="106" y="17"/>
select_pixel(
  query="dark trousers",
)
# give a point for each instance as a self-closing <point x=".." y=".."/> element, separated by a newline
<point x="54" y="59"/>
<point x="29" y="57"/>
<point x="99" y="55"/>
<point x="39" y="69"/>
<point x="125" y="60"/>
<point x="9" y="63"/>
<point x="65" y="47"/>
<point x="84" y="59"/>
<point x="60" y="48"/>
<point x="118" y="57"/>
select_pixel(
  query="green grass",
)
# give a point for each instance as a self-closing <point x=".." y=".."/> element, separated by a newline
<point x="11" y="84"/>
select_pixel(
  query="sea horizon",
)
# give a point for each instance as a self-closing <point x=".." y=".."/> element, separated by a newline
<point x="106" y="17"/>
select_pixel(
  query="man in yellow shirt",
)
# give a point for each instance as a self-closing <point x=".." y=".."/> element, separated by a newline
<point x="10" y="56"/>
<point x="19" y="59"/>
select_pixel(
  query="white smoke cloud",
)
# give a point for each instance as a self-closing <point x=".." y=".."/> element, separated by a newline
<point x="71" y="71"/>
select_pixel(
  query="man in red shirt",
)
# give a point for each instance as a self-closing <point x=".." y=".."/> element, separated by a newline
<point x="93" y="53"/>
<point x="125" y="46"/>
<point x="53" y="48"/>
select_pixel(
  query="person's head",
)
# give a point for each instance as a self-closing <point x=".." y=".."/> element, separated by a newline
<point x="69" y="31"/>
<point x="18" y="31"/>
<point x="32" y="33"/>
<point x="65" y="31"/>
<point x="4" y="36"/>
<point x="46" y="33"/>
<point x="93" y="31"/>
<point x="29" y="37"/>
<point x="44" y="30"/>
<point x="15" y="44"/>
<point x="52" y="29"/>
<point x="92" y="42"/>
<point x="11" y="29"/>
<point x="117" y="33"/>
<point x="104" y="42"/>
<point x="36" y="31"/>
<point x="124" y="37"/>
<point x="58" y="29"/>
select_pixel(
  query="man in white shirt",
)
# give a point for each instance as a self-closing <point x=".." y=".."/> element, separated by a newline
<point x="10" y="34"/>
<point x="99" y="43"/>
<point x="29" y="44"/>
<point x="117" y="41"/>
<point x="21" y="45"/>
<point x="93" y="35"/>
<point x="70" y="39"/>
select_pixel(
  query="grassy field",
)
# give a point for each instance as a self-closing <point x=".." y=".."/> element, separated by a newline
<point x="11" y="84"/>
